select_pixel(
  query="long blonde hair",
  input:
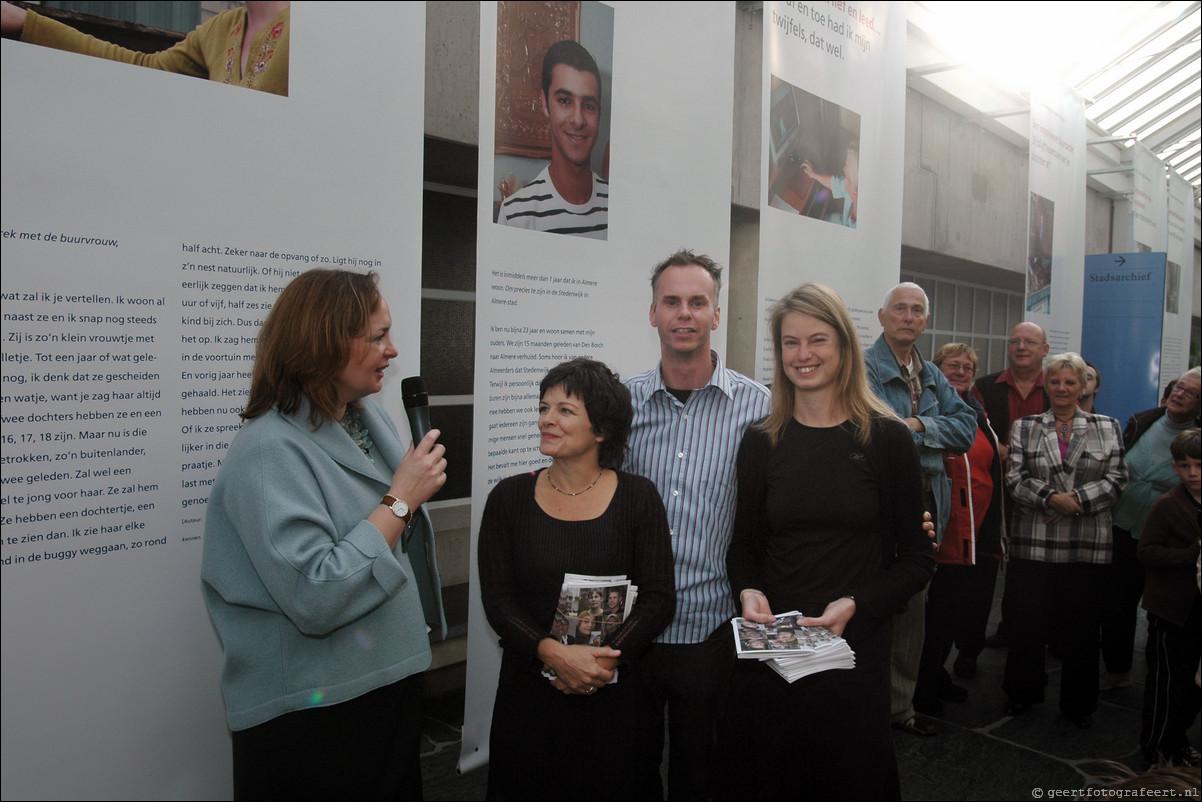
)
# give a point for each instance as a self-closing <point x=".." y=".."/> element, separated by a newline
<point x="851" y="384"/>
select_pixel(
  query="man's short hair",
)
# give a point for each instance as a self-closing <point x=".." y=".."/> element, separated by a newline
<point x="686" y="258"/>
<point x="1187" y="445"/>
<point x="908" y="285"/>
<point x="571" y="54"/>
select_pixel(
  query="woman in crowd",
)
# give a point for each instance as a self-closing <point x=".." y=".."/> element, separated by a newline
<point x="310" y="573"/>
<point x="1065" y="471"/>
<point x="1146" y="440"/>
<point x="961" y="594"/>
<point x="829" y="523"/>
<point x="578" y="515"/>
<point x="240" y="46"/>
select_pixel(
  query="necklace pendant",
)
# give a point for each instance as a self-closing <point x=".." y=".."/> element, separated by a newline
<point x="578" y="492"/>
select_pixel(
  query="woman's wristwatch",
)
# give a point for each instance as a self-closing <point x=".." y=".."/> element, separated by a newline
<point x="399" y="508"/>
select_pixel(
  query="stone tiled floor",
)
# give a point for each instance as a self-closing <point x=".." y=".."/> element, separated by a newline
<point x="978" y="754"/>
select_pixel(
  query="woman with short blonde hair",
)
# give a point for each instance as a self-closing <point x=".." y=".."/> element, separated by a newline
<point x="1065" y="470"/>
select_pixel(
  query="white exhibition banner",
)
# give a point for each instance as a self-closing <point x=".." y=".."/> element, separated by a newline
<point x="149" y="221"/>
<point x="542" y="297"/>
<point x="1149" y="201"/>
<point x="1179" y="289"/>
<point x="834" y="94"/>
<point x="1056" y="218"/>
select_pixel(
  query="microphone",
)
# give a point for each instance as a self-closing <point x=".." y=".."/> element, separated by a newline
<point x="417" y="406"/>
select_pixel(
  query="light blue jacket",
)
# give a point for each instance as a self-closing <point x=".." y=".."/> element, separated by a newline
<point x="311" y="605"/>
<point x="950" y="424"/>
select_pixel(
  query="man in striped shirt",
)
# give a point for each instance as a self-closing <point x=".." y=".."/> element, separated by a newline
<point x="690" y="414"/>
<point x="567" y="197"/>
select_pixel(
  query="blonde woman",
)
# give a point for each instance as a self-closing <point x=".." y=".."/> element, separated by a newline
<point x="829" y="522"/>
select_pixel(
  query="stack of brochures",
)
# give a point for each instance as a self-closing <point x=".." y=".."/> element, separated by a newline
<point x="602" y="601"/>
<point x="589" y="609"/>
<point x="790" y="648"/>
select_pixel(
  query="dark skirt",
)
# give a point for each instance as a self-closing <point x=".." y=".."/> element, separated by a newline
<point x="545" y="744"/>
<point x="825" y="736"/>
<point x="364" y="748"/>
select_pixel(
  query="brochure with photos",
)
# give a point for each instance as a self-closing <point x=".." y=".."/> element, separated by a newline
<point x="590" y="608"/>
<point x="792" y="649"/>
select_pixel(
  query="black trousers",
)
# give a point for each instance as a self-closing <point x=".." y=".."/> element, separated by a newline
<point x="1120" y="609"/>
<point x="1061" y="601"/>
<point x="824" y="737"/>
<point x="364" y="748"/>
<point x="1171" y="696"/>
<point x="690" y="681"/>
<point x="958" y="604"/>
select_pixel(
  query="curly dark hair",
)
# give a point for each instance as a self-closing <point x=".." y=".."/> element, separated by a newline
<point x="605" y="398"/>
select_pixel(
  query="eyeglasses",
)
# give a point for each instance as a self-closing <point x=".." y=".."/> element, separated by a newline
<point x="1029" y="343"/>
<point x="1186" y="391"/>
<point x="958" y="367"/>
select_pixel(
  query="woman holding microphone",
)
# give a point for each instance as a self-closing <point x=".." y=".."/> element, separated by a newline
<point x="311" y="572"/>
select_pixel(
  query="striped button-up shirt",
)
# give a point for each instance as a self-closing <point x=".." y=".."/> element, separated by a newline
<point x="688" y="450"/>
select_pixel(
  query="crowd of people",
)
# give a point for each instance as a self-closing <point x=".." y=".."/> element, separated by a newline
<point x="873" y="492"/>
<point x="870" y="492"/>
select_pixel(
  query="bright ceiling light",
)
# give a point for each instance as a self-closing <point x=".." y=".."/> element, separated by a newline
<point x="1020" y="45"/>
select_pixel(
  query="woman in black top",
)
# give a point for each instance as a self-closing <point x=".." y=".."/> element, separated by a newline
<point x="828" y="523"/>
<point x="579" y="515"/>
